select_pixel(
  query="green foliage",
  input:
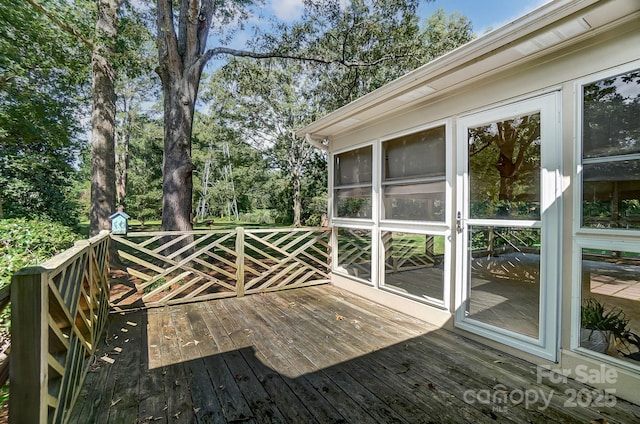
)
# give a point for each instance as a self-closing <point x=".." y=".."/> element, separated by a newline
<point x="596" y="317"/>
<point x="143" y="199"/>
<point x="442" y="34"/>
<point x="315" y="208"/>
<point x="44" y="76"/>
<point x="504" y="238"/>
<point x="359" y="47"/>
<point x="134" y="55"/>
<point x="364" y="44"/>
<point x="611" y="130"/>
<point x="262" y="216"/>
<point x="26" y="243"/>
<point x="267" y="102"/>
<point x="242" y="173"/>
<point x="158" y="283"/>
<point x="4" y="395"/>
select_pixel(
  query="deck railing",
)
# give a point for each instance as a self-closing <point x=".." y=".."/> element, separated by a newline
<point x="59" y="308"/>
<point x="58" y="312"/>
<point x="162" y="268"/>
<point x="5" y="341"/>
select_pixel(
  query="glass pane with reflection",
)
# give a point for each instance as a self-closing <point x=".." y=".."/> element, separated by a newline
<point x="611" y="288"/>
<point x="353" y="202"/>
<point x="354" y="252"/>
<point x="611" y="194"/>
<point x="414" y="264"/>
<point x="418" y="155"/>
<point x="504" y="169"/>
<point x="505" y="278"/>
<point x="353" y="167"/>
<point x="415" y="202"/>
<point x="611" y="108"/>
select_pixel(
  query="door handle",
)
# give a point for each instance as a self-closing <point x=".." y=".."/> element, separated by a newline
<point x="459" y="222"/>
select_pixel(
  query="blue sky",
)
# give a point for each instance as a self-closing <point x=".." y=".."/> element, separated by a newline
<point x="484" y="14"/>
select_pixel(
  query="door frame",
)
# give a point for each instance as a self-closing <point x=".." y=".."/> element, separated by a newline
<point x="546" y="345"/>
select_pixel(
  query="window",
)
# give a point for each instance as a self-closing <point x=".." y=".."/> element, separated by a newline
<point x="414" y="265"/>
<point x="608" y="267"/>
<point x="414" y="176"/>
<point x="352" y="184"/>
<point x="610" y="308"/>
<point x="611" y="152"/>
<point x="354" y="252"/>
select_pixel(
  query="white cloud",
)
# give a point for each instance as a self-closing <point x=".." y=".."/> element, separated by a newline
<point x="287" y="10"/>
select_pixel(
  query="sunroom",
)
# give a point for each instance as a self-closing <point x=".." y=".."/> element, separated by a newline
<point x="495" y="191"/>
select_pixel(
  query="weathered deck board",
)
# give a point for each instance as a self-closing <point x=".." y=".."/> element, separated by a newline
<point x="308" y="355"/>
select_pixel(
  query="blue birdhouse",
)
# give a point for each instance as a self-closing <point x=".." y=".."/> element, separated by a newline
<point x="119" y="222"/>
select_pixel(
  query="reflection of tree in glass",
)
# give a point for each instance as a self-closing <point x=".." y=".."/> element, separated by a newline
<point x="353" y="207"/>
<point x="611" y="131"/>
<point x="504" y="160"/>
<point x="611" y="116"/>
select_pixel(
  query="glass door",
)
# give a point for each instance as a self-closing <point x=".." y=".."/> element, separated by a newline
<point x="507" y="224"/>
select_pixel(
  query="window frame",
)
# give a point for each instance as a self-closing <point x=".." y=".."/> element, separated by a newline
<point x="335" y="188"/>
<point x="601" y="243"/>
<point x="382" y="274"/>
<point x="593" y="238"/>
<point x="410" y="225"/>
<point x="578" y="228"/>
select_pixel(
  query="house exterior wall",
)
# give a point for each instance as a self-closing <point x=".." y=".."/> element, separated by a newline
<point x="561" y="71"/>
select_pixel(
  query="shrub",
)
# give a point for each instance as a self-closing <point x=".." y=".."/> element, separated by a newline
<point x="26" y="243"/>
<point x="314" y="220"/>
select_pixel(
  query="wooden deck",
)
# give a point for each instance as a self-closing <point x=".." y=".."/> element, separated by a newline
<point x="313" y="355"/>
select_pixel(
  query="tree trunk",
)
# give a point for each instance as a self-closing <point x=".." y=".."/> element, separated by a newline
<point x="122" y="165"/>
<point x="122" y="153"/>
<point x="181" y="60"/>
<point x="103" y="187"/>
<point x="297" y="200"/>
<point x="177" y="168"/>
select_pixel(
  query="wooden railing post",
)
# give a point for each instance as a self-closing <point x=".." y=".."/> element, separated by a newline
<point x="240" y="261"/>
<point x="29" y="335"/>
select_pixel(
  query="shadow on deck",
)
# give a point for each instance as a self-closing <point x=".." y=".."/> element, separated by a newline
<point x="316" y="354"/>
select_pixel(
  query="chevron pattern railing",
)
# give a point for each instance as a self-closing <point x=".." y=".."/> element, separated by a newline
<point x="59" y="310"/>
<point x="163" y="268"/>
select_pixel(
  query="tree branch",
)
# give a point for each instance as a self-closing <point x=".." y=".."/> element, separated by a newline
<point x="274" y="55"/>
<point x="166" y="31"/>
<point x="63" y="26"/>
<point x="204" y="24"/>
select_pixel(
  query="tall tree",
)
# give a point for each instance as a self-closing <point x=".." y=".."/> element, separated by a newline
<point x="101" y="37"/>
<point x="236" y="170"/>
<point x="136" y="86"/>
<point x="103" y="189"/>
<point x="131" y="117"/>
<point x="371" y="34"/>
<point x="103" y="116"/>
